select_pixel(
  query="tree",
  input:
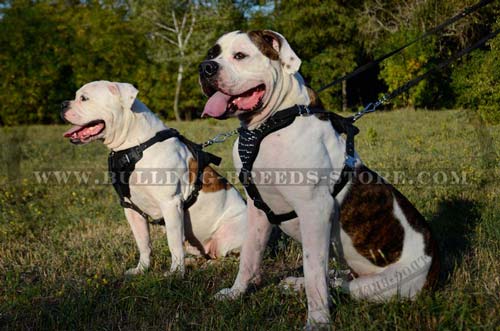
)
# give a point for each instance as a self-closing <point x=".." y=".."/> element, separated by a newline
<point x="49" y="49"/>
<point x="172" y="24"/>
<point x="386" y="25"/>
<point x="323" y="35"/>
<point x="476" y="81"/>
<point x="179" y="34"/>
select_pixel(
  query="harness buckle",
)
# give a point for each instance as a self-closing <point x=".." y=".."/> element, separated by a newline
<point x="304" y="110"/>
<point x="350" y="161"/>
<point x="135" y="154"/>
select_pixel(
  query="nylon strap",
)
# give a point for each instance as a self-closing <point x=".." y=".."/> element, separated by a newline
<point x="249" y="144"/>
<point x="122" y="163"/>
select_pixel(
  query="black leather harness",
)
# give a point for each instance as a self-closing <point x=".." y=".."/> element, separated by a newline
<point x="122" y="163"/>
<point x="250" y="140"/>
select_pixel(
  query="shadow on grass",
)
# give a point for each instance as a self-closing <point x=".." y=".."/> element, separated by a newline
<point x="453" y="227"/>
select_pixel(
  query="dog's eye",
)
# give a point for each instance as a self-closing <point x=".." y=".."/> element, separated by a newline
<point x="83" y="98"/>
<point x="239" y="56"/>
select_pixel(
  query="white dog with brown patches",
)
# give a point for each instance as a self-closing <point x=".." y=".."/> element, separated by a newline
<point x="213" y="226"/>
<point x="381" y="237"/>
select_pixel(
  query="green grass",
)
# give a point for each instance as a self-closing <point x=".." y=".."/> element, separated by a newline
<point x="64" y="248"/>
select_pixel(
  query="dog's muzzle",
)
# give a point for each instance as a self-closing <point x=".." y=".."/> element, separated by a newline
<point x="208" y="69"/>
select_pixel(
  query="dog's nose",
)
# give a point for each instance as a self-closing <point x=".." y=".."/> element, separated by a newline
<point x="208" y="68"/>
<point x="64" y="107"/>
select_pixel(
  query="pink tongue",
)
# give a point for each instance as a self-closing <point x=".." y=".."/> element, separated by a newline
<point x="249" y="102"/>
<point x="71" y="131"/>
<point x="77" y="132"/>
<point x="216" y="105"/>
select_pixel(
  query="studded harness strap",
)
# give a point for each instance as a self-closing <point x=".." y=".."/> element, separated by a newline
<point x="122" y="163"/>
<point x="250" y="140"/>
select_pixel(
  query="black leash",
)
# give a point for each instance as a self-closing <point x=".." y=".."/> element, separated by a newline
<point x="432" y="31"/>
<point x="122" y="163"/>
<point x="371" y="107"/>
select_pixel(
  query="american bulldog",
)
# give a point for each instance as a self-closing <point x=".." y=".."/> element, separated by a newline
<point x="213" y="226"/>
<point x="375" y="230"/>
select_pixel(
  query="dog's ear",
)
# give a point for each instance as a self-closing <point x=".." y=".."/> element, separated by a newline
<point x="126" y="91"/>
<point x="276" y="47"/>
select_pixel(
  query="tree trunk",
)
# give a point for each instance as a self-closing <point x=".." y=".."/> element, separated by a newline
<point x="180" y="72"/>
<point x="344" y="95"/>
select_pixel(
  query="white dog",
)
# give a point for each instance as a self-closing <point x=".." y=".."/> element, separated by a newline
<point x="381" y="237"/>
<point x="213" y="226"/>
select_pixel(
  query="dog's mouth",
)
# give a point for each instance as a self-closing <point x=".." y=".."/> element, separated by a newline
<point x="82" y="134"/>
<point x="221" y="105"/>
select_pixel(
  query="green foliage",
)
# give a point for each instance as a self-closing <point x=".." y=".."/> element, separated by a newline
<point x="50" y="48"/>
<point x="322" y="33"/>
<point x="391" y="24"/>
<point x="399" y="69"/>
<point x="476" y="82"/>
<point x="179" y="47"/>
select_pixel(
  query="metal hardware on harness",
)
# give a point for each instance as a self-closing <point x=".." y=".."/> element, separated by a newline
<point x="220" y="138"/>
<point x="370" y="108"/>
<point x="304" y="110"/>
<point x="350" y="161"/>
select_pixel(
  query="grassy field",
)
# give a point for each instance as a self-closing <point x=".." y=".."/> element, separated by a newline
<point x="64" y="247"/>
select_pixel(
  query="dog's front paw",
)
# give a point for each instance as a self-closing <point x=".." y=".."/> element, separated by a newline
<point x="337" y="278"/>
<point x="134" y="271"/>
<point x="174" y="273"/>
<point x="318" y="327"/>
<point x="228" y="294"/>
<point x="295" y="284"/>
<point x="319" y="320"/>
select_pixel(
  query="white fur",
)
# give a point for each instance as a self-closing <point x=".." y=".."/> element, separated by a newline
<point x="217" y="219"/>
<point x="308" y="143"/>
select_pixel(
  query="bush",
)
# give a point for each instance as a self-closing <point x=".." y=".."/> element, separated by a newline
<point x="476" y="82"/>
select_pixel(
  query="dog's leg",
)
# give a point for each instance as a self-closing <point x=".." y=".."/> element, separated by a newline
<point x="174" y="225"/>
<point x="230" y="236"/>
<point x="399" y="280"/>
<point x="140" y="229"/>
<point x="252" y="252"/>
<point x="315" y="226"/>
<point x="337" y="279"/>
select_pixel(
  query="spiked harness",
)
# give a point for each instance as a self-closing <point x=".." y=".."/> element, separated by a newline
<point x="250" y="140"/>
<point x="122" y="163"/>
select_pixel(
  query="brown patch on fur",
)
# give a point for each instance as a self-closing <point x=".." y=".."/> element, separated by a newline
<point x="193" y="168"/>
<point x="212" y="181"/>
<point x="263" y="39"/>
<point x="213" y="52"/>
<point x="366" y="216"/>
<point x="314" y="98"/>
<point x="418" y="223"/>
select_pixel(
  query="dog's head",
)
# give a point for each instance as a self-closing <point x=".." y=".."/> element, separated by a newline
<point x="97" y="110"/>
<point x="243" y="71"/>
